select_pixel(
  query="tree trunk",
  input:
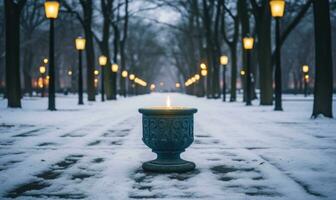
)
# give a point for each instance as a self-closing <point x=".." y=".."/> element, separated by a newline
<point x="263" y="23"/>
<point x="234" y="69"/>
<point x="323" y="89"/>
<point x="89" y="49"/>
<point x="13" y="85"/>
<point x="245" y="28"/>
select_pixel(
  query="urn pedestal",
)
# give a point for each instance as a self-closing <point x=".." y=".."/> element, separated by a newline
<point x="168" y="132"/>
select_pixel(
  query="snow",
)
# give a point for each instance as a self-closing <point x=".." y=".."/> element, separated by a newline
<point x="95" y="151"/>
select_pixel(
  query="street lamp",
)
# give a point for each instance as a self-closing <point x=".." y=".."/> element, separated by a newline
<point x="51" y="11"/>
<point x="277" y="11"/>
<point x="80" y="46"/>
<point x="224" y="61"/>
<point x="124" y="74"/>
<point x="131" y="78"/>
<point x="305" y="70"/>
<point x="42" y="70"/>
<point x="248" y="43"/>
<point x="177" y="85"/>
<point x="102" y="62"/>
<point x="114" y="68"/>
<point x="45" y="60"/>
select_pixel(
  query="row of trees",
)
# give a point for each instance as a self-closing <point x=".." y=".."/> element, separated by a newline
<point x="210" y="28"/>
<point x="105" y="24"/>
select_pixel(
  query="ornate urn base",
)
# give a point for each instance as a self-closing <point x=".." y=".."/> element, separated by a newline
<point x="168" y="132"/>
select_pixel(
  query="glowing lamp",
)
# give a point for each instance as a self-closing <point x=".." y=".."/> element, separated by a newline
<point x="224" y="60"/>
<point x="45" y="61"/>
<point x="124" y="74"/>
<point x="204" y="72"/>
<point x="131" y="77"/>
<point x="197" y="77"/>
<point x="96" y="72"/>
<point x="177" y="85"/>
<point x="248" y="42"/>
<point x="277" y="8"/>
<point x="203" y="66"/>
<point x="242" y="72"/>
<point x="51" y="9"/>
<point x="42" y="69"/>
<point x="114" y="67"/>
<point x="305" y="68"/>
<point x="102" y="60"/>
<point x="80" y="43"/>
<point x="69" y="72"/>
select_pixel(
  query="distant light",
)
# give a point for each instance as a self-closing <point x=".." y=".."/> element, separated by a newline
<point x="114" y="67"/>
<point x="102" y="60"/>
<point x="124" y="74"/>
<point x="277" y="8"/>
<point x="96" y="72"/>
<point x="69" y="72"/>
<point x="131" y="77"/>
<point x="248" y="42"/>
<point x="224" y="60"/>
<point x="45" y="61"/>
<point x="204" y="72"/>
<point x="177" y="85"/>
<point x="203" y="66"/>
<point x="80" y="43"/>
<point x="42" y="69"/>
<point x="305" y="68"/>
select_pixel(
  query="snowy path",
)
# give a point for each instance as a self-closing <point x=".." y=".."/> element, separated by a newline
<point x="95" y="152"/>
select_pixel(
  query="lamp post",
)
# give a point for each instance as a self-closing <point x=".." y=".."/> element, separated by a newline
<point x="277" y="10"/>
<point x="51" y="11"/>
<point x="124" y="74"/>
<point x="80" y="46"/>
<point x="248" y="43"/>
<point x="102" y="62"/>
<point x="131" y="78"/>
<point x="224" y="61"/>
<point x="114" y="68"/>
<point x="305" y="70"/>
<point x="42" y="70"/>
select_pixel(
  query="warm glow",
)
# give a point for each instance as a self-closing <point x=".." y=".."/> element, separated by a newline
<point x="102" y="60"/>
<point x="140" y="82"/>
<point x="161" y="84"/>
<point x="69" y="72"/>
<point x="242" y="72"/>
<point x="45" y="61"/>
<point x="193" y="79"/>
<point x="152" y="87"/>
<point x="124" y="74"/>
<point x="306" y="77"/>
<point x="177" y="85"/>
<point x="204" y="72"/>
<point x="42" y="69"/>
<point x="96" y="82"/>
<point x="131" y="77"/>
<point x="248" y="42"/>
<point x="203" y="66"/>
<point x="114" y="67"/>
<point x="168" y="103"/>
<point x="197" y="77"/>
<point x="48" y="77"/>
<point x="96" y="72"/>
<point x="80" y="43"/>
<point x="40" y="82"/>
<point x="51" y="9"/>
<point x="277" y="8"/>
<point x="224" y="60"/>
<point x="305" y="68"/>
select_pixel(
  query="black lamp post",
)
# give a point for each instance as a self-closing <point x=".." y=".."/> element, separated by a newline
<point x="305" y="70"/>
<point x="277" y="10"/>
<point x="248" y="43"/>
<point x="102" y="62"/>
<point x="51" y="11"/>
<point x="80" y="46"/>
<point x="124" y="74"/>
<point x="114" y="68"/>
<point x="224" y="61"/>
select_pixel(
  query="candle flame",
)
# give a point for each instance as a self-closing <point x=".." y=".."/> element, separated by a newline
<point x="168" y="103"/>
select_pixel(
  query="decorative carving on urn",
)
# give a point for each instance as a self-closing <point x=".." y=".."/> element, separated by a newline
<point x="168" y="132"/>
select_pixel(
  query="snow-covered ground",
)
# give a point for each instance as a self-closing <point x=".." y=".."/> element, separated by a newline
<point x="95" y="151"/>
